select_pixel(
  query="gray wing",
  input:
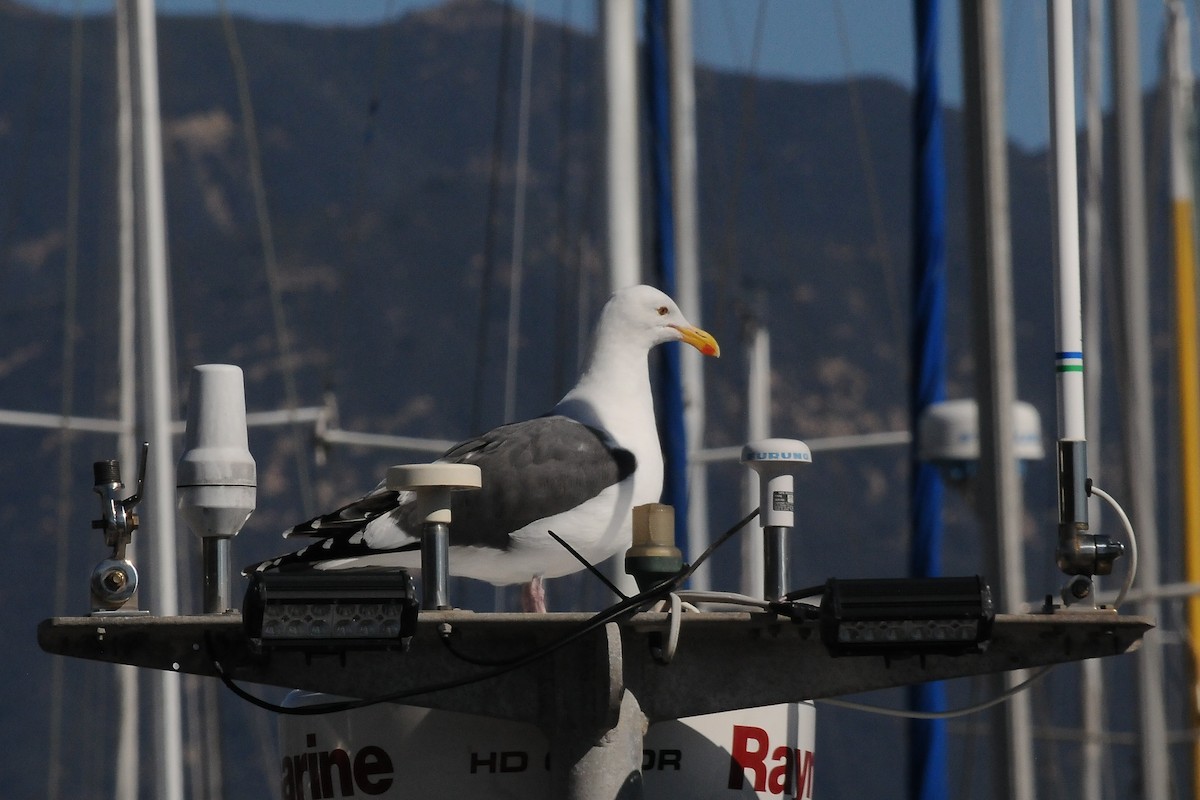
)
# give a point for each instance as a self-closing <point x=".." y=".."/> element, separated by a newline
<point x="530" y="470"/>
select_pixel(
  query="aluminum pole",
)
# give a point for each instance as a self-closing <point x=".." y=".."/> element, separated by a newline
<point x="127" y="676"/>
<point x="1137" y="408"/>
<point x="618" y="29"/>
<point x="991" y="256"/>
<point x="687" y="260"/>
<point x="159" y="506"/>
<point x="758" y="427"/>
<point x="1091" y="686"/>
<point x="618" y="26"/>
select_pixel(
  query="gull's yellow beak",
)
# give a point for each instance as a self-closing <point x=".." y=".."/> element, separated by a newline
<point x="699" y="339"/>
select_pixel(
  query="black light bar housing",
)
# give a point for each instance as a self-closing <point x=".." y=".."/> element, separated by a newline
<point x="331" y="611"/>
<point x="950" y="615"/>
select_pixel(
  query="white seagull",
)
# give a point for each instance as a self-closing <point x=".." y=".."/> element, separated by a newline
<point x="579" y="471"/>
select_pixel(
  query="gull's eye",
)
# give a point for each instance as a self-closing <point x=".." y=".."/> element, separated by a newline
<point x="662" y="311"/>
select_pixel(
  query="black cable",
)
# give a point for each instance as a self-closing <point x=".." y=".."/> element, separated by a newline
<point x="625" y="607"/>
<point x="615" y="611"/>
<point x="589" y="566"/>
<point x="810" y="591"/>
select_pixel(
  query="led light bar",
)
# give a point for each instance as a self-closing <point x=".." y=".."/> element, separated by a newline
<point x="906" y="615"/>
<point x="331" y="611"/>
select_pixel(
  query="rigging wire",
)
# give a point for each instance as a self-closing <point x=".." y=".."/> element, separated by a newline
<point x="729" y="262"/>
<point x="491" y="220"/>
<point x="867" y="165"/>
<point x="354" y="232"/>
<point x="15" y="196"/>
<point x="287" y="359"/>
<point x="62" y="520"/>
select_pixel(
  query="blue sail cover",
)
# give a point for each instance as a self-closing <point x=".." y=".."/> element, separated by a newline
<point x="674" y="433"/>
<point x="928" y="779"/>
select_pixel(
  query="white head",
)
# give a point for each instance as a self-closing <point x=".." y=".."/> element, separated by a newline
<point x="647" y="316"/>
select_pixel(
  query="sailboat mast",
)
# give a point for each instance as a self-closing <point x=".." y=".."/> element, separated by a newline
<point x="995" y="379"/>
<point x="684" y="179"/>
<point x="618" y="29"/>
<point x="1181" y="112"/>
<point x="126" y="676"/>
<point x="156" y="364"/>
<point x="1091" y="686"/>
<point x="1136" y="378"/>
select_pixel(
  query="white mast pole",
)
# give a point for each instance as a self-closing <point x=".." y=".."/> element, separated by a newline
<point x="618" y="28"/>
<point x="156" y="362"/>
<point x="618" y="25"/>
<point x="687" y="264"/>
<point x="758" y="427"/>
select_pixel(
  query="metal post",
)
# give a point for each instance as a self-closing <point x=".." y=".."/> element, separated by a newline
<point x="435" y="565"/>
<point x="991" y="256"/>
<point x="775" y="562"/>
<point x="127" y="676"/>
<point x="156" y="360"/>
<point x="1136" y="380"/>
<point x="687" y="261"/>
<point x="758" y="426"/>
<point x="619" y="30"/>
<point x="218" y="574"/>
<point x="1091" y="686"/>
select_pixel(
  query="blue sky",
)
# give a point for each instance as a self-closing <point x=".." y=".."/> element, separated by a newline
<point x="824" y="40"/>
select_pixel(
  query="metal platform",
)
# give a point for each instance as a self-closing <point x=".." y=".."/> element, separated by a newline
<point x="723" y="660"/>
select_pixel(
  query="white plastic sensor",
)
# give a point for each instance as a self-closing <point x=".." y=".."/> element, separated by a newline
<point x="949" y="432"/>
<point x="433" y="484"/>
<point x="216" y="477"/>
<point x="775" y="461"/>
<point x="216" y="480"/>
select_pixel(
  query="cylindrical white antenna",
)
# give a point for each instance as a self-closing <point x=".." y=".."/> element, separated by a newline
<point x="216" y="478"/>
<point x="1069" y="350"/>
<point x="775" y="461"/>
